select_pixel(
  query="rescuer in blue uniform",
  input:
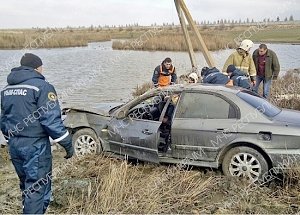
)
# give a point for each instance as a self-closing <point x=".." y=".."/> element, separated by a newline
<point x="214" y="76"/>
<point x="238" y="77"/>
<point x="30" y="113"/>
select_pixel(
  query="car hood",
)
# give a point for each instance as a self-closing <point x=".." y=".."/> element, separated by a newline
<point x="100" y="109"/>
<point x="288" y="117"/>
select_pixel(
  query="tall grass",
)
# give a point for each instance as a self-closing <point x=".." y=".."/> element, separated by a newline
<point x="141" y="89"/>
<point x="285" y="92"/>
<point x="104" y="185"/>
<point x="169" y="37"/>
<point x="112" y="186"/>
<point x="49" y="39"/>
<point x="173" y="42"/>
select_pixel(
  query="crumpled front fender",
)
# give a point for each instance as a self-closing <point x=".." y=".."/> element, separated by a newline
<point x="76" y="119"/>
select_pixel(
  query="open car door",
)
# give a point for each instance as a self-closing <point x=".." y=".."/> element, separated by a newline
<point x="137" y="135"/>
<point x="135" y="138"/>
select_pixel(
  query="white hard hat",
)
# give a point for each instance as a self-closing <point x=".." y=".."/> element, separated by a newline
<point x="194" y="76"/>
<point x="246" y="45"/>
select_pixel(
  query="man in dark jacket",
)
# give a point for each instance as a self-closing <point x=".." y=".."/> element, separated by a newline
<point x="214" y="76"/>
<point x="238" y="77"/>
<point x="164" y="74"/>
<point x="267" y="68"/>
<point x="30" y="113"/>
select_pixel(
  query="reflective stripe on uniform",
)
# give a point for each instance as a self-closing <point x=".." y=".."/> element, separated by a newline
<point x="22" y="86"/>
<point x="244" y="69"/>
<point x="62" y="137"/>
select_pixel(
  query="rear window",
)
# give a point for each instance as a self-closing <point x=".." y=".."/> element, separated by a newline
<point x="259" y="103"/>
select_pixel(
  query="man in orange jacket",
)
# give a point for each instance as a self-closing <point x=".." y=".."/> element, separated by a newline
<point x="164" y="74"/>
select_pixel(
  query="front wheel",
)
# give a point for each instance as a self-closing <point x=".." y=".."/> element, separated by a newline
<point x="244" y="162"/>
<point x="86" y="142"/>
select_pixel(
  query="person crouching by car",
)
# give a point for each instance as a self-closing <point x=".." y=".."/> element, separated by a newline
<point x="238" y="77"/>
<point x="214" y="76"/>
<point x="164" y="74"/>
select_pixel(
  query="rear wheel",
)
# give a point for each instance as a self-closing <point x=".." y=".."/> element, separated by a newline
<point x="86" y="142"/>
<point x="244" y="162"/>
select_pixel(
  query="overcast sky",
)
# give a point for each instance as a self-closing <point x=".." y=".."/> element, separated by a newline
<point x="62" y="13"/>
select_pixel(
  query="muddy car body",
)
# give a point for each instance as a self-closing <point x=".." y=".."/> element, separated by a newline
<point x="211" y="126"/>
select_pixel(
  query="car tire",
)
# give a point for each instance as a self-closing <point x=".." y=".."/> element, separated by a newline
<point x="86" y="142"/>
<point x="245" y="162"/>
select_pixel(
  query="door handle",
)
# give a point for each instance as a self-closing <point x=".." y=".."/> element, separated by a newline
<point x="222" y="130"/>
<point x="147" y="132"/>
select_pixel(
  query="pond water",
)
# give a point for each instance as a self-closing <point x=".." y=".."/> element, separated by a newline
<point x="96" y="73"/>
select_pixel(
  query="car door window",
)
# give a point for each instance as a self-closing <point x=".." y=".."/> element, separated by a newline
<point x="149" y="109"/>
<point x="205" y="106"/>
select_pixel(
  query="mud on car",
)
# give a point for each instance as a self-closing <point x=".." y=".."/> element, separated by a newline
<point x="211" y="126"/>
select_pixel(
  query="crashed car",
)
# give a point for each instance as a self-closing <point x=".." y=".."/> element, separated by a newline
<point x="203" y="125"/>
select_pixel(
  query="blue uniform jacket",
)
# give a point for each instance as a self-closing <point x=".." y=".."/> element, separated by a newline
<point x="30" y="108"/>
<point x="240" y="79"/>
<point x="214" y="76"/>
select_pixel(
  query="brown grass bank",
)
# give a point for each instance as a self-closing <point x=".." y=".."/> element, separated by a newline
<point x="173" y="42"/>
<point x="105" y="185"/>
<point x="285" y="91"/>
<point x="168" y="38"/>
<point x="99" y="184"/>
<point x="49" y="38"/>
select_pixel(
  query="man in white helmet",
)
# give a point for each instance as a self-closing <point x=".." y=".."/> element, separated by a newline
<point x="242" y="60"/>
<point x="193" y="78"/>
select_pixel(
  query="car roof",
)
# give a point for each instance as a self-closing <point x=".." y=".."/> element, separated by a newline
<point x="197" y="87"/>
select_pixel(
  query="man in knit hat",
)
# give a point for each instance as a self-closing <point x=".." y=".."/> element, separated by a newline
<point x="238" y="77"/>
<point x="30" y="114"/>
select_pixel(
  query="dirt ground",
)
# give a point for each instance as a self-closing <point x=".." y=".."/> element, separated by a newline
<point x="9" y="186"/>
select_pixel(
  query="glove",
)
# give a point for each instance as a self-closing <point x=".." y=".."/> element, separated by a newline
<point x="66" y="143"/>
<point x="70" y="152"/>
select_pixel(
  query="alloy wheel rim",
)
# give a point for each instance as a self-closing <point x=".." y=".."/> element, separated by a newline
<point x="245" y="165"/>
<point x="84" y="145"/>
